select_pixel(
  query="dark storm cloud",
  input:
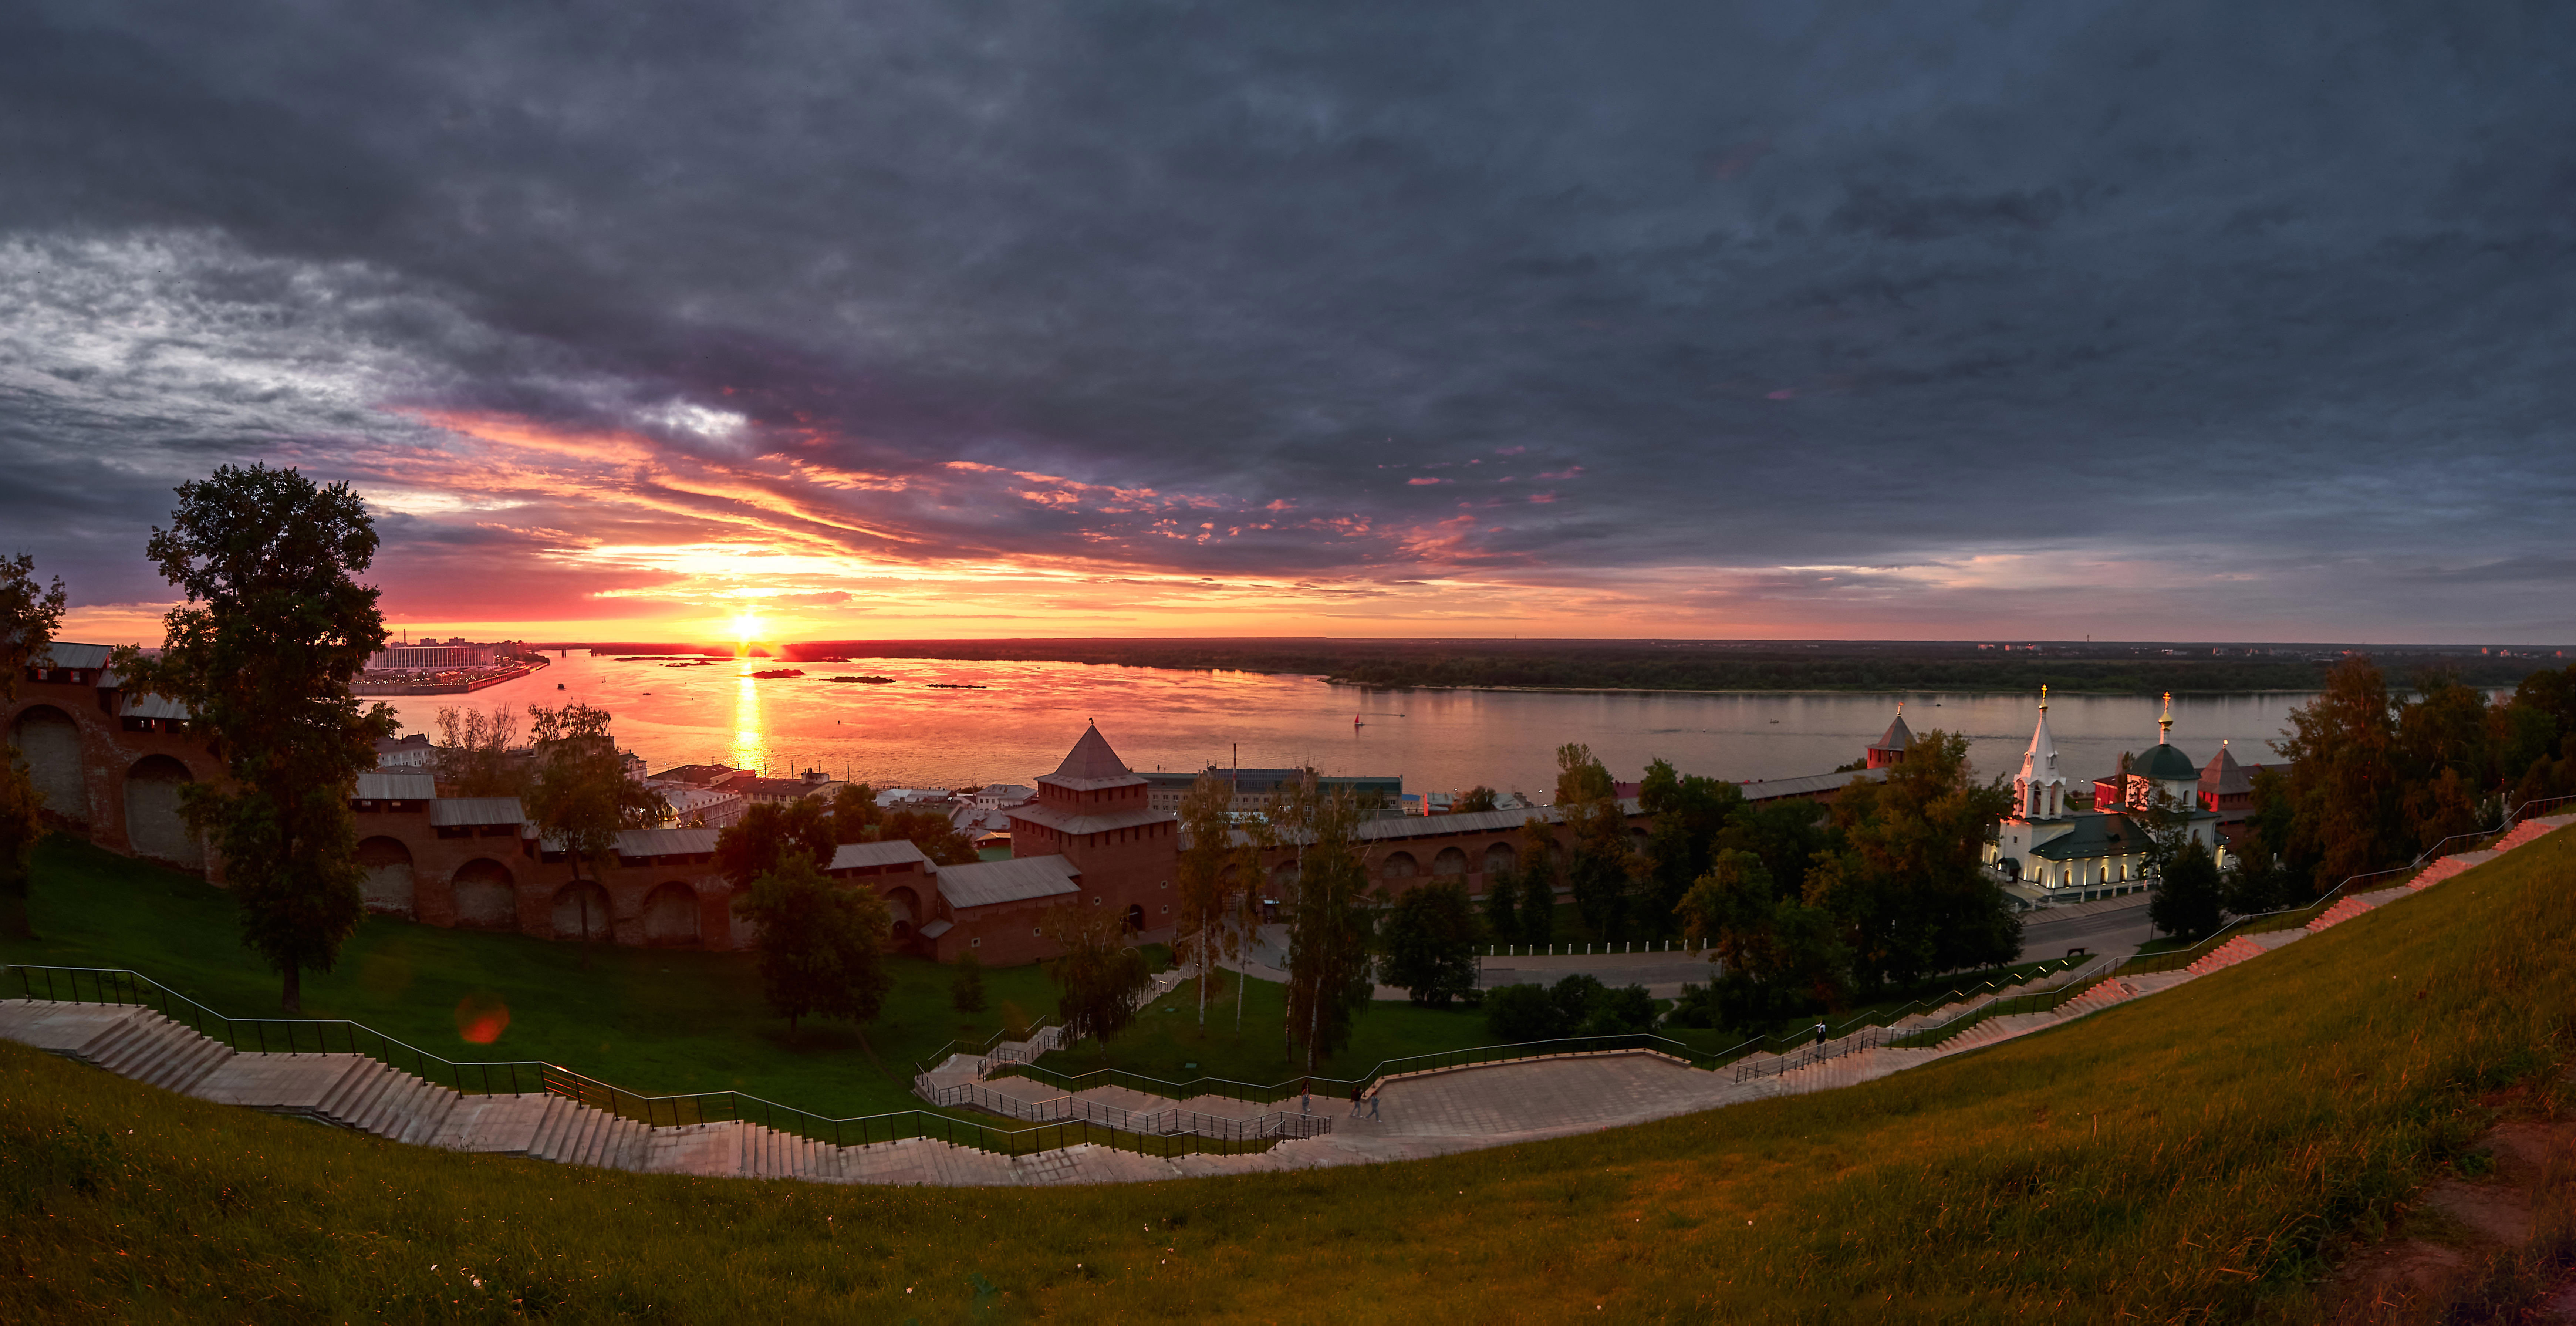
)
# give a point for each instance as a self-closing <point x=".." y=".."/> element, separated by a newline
<point x="2208" y="287"/>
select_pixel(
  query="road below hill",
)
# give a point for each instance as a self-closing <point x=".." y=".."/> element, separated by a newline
<point x="2115" y="925"/>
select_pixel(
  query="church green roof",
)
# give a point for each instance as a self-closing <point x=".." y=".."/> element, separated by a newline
<point x="2164" y="763"/>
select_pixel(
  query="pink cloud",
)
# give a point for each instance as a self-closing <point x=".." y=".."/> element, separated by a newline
<point x="1567" y="473"/>
<point x="1419" y="482"/>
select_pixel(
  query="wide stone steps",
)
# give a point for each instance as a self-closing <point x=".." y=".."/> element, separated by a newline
<point x="2226" y="955"/>
<point x="2525" y="832"/>
<point x="2344" y="910"/>
<point x="2442" y="870"/>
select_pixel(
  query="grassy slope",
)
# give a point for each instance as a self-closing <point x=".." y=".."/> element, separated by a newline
<point x="2183" y="1157"/>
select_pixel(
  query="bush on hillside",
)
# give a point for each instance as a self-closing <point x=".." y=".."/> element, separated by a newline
<point x="966" y="988"/>
<point x="822" y="948"/>
<point x="1430" y="940"/>
<point x="1579" y="1005"/>
<point x="2187" y="896"/>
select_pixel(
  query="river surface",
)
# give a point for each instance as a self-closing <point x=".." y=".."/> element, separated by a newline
<point x="1028" y="714"/>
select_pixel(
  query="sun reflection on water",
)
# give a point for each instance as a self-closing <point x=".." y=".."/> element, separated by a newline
<point x="750" y="735"/>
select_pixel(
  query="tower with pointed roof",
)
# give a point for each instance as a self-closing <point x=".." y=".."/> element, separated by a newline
<point x="1892" y="747"/>
<point x="2039" y="791"/>
<point x="1094" y="811"/>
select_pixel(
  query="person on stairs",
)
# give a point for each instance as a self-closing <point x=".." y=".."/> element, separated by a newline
<point x="1820" y="1033"/>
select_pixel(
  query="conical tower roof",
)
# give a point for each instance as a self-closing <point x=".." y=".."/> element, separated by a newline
<point x="1092" y="758"/>
<point x="1899" y="736"/>
<point x="1091" y="764"/>
<point x="2223" y="775"/>
<point x="2039" y="763"/>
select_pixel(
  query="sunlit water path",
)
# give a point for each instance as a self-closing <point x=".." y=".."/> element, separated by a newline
<point x="1019" y="726"/>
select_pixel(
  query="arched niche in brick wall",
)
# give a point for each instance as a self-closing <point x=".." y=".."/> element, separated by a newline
<point x="487" y="896"/>
<point x="390" y="887"/>
<point x="671" y="915"/>
<point x="50" y="742"/>
<point x="575" y="901"/>
<point x="1451" y="861"/>
<point x="153" y="825"/>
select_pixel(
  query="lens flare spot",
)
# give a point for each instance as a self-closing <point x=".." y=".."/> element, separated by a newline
<point x="481" y="1018"/>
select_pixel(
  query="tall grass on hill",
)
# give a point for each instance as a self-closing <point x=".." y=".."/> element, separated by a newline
<point x="2197" y="1156"/>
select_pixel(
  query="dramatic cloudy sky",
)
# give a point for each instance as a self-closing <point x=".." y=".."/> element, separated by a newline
<point x="1010" y="317"/>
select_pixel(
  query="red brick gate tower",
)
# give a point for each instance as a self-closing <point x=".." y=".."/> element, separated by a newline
<point x="1092" y="811"/>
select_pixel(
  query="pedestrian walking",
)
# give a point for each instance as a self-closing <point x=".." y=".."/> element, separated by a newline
<point x="1373" y="1099"/>
<point x="1306" y="1103"/>
<point x="1820" y="1033"/>
<point x="1356" y="1092"/>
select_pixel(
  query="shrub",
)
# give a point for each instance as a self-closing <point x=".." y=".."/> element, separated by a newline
<point x="966" y="988"/>
<point x="1620" y="1012"/>
<point x="1515" y="1013"/>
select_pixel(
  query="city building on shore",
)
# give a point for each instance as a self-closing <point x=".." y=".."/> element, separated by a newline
<point x="1253" y="787"/>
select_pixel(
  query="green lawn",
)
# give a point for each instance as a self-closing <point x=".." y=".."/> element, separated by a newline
<point x="1166" y="1040"/>
<point x="652" y="1020"/>
<point x="2209" y="1154"/>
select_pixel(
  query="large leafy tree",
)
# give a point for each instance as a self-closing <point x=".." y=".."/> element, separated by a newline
<point x="1330" y="973"/>
<point x="2188" y="893"/>
<point x="477" y="755"/>
<point x="770" y="834"/>
<point x="581" y="797"/>
<point x="29" y="613"/>
<point x="273" y="629"/>
<point x="822" y="947"/>
<point x="1602" y="861"/>
<point x="1909" y="885"/>
<point x="1430" y="942"/>
<point x="1538" y="882"/>
<point x="1201" y="931"/>
<point x="1687" y="813"/>
<point x="1775" y="951"/>
<point x="2343" y="778"/>
<point x="1100" y="978"/>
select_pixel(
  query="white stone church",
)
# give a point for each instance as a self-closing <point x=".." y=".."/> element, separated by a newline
<point x="2049" y="852"/>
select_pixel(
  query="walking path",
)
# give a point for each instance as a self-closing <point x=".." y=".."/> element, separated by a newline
<point x="1438" y="1112"/>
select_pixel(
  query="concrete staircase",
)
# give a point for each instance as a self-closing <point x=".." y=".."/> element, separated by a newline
<point x="2344" y="910"/>
<point x="365" y="1095"/>
<point x="2236" y="950"/>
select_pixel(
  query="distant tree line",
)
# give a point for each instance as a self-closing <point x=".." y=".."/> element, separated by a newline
<point x="1674" y="665"/>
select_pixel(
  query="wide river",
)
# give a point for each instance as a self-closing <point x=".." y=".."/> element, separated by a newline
<point x="1019" y="726"/>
